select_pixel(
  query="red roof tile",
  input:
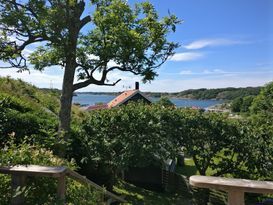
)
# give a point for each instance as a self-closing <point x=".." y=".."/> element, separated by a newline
<point x="97" y="107"/>
<point x="122" y="98"/>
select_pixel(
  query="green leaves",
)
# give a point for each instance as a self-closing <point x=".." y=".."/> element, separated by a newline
<point x="133" y="135"/>
<point x="263" y="103"/>
<point x="134" y="38"/>
<point x="139" y="135"/>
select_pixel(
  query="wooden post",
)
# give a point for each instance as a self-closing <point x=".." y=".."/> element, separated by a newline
<point x="61" y="188"/>
<point x="17" y="180"/>
<point x="236" y="197"/>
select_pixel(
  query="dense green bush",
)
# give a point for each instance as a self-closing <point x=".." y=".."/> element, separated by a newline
<point x="263" y="103"/>
<point x="41" y="190"/>
<point x="138" y="135"/>
<point x="134" y="135"/>
<point x="137" y="132"/>
<point x="165" y="102"/>
<point x="30" y="94"/>
<point x="24" y="119"/>
<point x="242" y="104"/>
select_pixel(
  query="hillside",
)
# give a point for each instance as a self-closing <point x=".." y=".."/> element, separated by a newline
<point x="26" y="111"/>
<point x="219" y="93"/>
<point x="200" y="94"/>
<point x="29" y="95"/>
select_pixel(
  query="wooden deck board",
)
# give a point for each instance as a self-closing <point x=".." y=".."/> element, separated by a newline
<point x="19" y="171"/>
<point x="34" y="170"/>
<point x="226" y="184"/>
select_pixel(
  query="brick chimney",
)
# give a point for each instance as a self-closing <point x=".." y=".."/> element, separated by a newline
<point x="137" y="85"/>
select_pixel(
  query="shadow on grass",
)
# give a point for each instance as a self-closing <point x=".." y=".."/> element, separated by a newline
<point x="139" y="196"/>
<point x="187" y="170"/>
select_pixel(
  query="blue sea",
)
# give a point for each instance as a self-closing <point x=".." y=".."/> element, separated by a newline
<point x="86" y="99"/>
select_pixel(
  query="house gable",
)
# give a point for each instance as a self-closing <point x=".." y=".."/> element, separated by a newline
<point x="129" y="95"/>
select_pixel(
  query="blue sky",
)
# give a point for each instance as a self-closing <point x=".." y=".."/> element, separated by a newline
<point x="224" y="43"/>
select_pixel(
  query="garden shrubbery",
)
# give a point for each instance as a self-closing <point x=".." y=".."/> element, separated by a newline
<point x="23" y="115"/>
<point x="106" y="142"/>
<point x="138" y="135"/>
<point x="41" y="190"/>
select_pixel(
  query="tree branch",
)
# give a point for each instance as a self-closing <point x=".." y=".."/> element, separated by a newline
<point x="85" y="21"/>
<point x="92" y="81"/>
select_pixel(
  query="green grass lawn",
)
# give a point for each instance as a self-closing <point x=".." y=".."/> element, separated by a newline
<point x="139" y="196"/>
<point x="188" y="169"/>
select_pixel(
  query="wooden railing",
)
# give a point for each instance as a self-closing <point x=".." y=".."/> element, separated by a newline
<point x="235" y="187"/>
<point x="19" y="174"/>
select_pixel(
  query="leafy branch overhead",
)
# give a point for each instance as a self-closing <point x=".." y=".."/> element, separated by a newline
<point x="133" y="39"/>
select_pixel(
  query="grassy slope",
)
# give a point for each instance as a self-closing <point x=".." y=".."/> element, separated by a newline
<point x="139" y="196"/>
<point x="34" y="97"/>
<point x="29" y="94"/>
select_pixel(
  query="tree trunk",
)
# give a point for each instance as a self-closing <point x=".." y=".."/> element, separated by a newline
<point x="65" y="109"/>
<point x="73" y="20"/>
<point x="66" y="99"/>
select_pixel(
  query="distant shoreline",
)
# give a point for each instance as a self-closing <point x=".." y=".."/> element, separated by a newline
<point x="169" y="95"/>
<point x="195" y="94"/>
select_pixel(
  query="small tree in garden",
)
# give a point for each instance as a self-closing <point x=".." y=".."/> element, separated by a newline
<point x="84" y="40"/>
<point x="165" y="102"/>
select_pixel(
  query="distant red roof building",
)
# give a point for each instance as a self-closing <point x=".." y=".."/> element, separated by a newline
<point x="123" y="98"/>
<point x="97" y="107"/>
<point x="126" y="96"/>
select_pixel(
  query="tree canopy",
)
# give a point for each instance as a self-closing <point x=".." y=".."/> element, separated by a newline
<point x="135" y="39"/>
<point x="263" y="103"/>
<point x="87" y="41"/>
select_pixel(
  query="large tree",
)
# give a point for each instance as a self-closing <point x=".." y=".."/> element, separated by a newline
<point x="82" y="37"/>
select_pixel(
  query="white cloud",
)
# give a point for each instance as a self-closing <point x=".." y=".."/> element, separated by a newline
<point x="211" y="42"/>
<point x="206" y="71"/>
<point x="208" y="78"/>
<point x="111" y="63"/>
<point x="222" y="72"/>
<point x="37" y="78"/>
<point x="187" y="56"/>
<point x="186" y="72"/>
<point x="177" y="85"/>
<point x="26" y="52"/>
<point x="93" y="57"/>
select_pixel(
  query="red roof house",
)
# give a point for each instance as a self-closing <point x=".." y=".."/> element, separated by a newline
<point x="123" y="99"/>
<point x="129" y="96"/>
<point x="97" y="107"/>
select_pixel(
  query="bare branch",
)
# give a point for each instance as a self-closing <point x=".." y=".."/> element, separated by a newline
<point x="92" y="81"/>
<point x="85" y="21"/>
<point x="124" y="69"/>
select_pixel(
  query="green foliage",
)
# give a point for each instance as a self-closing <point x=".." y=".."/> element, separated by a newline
<point x="218" y="93"/>
<point x="165" y="102"/>
<point x="135" y="38"/>
<point x="136" y="195"/>
<point x="263" y="103"/>
<point x="256" y="149"/>
<point x="21" y="118"/>
<point x="41" y="190"/>
<point x="242" y="104"/>
<point x="133" y="135"/>
<point x="140" y="135"/>
<point x="33" y="97"/>
<point x="209" y="140"/>
<point x="236" y="105"/>
<point x="27" y="112"/>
